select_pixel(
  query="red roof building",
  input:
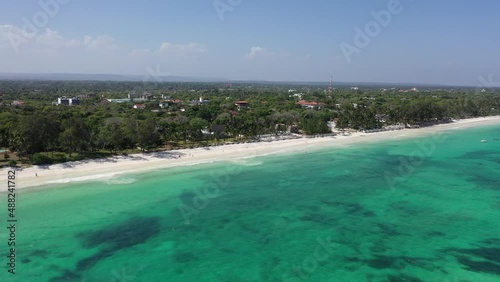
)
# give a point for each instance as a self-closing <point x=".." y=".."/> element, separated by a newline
<point x="309" y="105"/>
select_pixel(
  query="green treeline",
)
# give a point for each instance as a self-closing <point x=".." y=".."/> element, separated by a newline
<point x="40" y="132"/>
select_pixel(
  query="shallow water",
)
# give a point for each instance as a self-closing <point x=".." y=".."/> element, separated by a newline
<point x="424" y="209"/>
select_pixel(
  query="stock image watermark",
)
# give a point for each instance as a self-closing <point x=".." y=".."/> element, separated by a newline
<point x="155" y="74"/>
<point x="223" y="6"/>
<point x="322" y="252"/>
<point x="364" y="36"/>
<point x="37" y="22"/>
<point x="486" y="83"/>
<point x="202" y="196"/>
<point x="122" y="276"/>
<point x="221" y="180"/>
<point x="11" y="221"/>
<point x="408" y="164"/>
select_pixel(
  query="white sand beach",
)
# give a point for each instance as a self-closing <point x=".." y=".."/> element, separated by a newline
<point x="107" y="168"/>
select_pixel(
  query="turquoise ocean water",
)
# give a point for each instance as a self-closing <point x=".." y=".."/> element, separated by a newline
<point x="425" y="209"/>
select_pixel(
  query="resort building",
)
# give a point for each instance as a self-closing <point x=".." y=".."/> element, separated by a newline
<point x="126" y="100"/>
<point x="242" y="105"/>
<point x="203" y="101"/>
<point x="310" y="105"/>
<point x="68" y="101"/>
<point x="174" y="101"/>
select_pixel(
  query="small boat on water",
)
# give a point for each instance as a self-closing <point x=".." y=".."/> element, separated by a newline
<point x="484" y="141"/>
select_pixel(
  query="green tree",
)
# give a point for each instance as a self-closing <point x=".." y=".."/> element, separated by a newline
<point x="147" y="134"/>
<point x="313" y="123"/>
<point x="196" y="125"/>
<point x="111" y="134"/>
<point x="74" y="136"/>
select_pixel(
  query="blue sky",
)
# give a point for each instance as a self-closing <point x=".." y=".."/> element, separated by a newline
<point x="445" y="42"/>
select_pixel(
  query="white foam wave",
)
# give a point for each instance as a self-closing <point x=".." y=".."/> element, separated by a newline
<point x="99" y="177"/>
<point x="248" y="162"/>
<point x="121" y="181"/>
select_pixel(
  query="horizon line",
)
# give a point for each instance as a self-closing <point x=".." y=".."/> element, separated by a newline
<point x="196" y="79"/>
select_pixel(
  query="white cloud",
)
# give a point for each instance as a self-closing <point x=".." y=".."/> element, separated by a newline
<point x="256" y="52"/>
<point x="305" y="57"/>
<point x="53" y="39"/>
<point x="168" y="49"/>
<point x="5" y="30"/>
<point x="261" y="52"/>
<point x="104" y="42"/>
<point x="47" y="39"/>
<point x="140" y="52"/>
<point x="183" y="50"/>
<point x="48" y="50"/>
<point x="16" y="40"/>
<point x="11" y="35"/>
<point x="87" y="40"/>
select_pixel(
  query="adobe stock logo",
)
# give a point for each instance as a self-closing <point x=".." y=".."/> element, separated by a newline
<point x="39" y="20"/>
<point x="224" y="6"/>
<point x="322" y="252"/>
<point x="372" y="29"/>
<point x="488" y="82"/>
<point x="156" y="74"/>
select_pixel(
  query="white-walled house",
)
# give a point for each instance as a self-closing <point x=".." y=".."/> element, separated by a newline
<point x="68" y="101"/>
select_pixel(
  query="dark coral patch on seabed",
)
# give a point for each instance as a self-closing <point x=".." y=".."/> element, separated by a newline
<point x="484" y="259"/>
<point x="111" y="240"/>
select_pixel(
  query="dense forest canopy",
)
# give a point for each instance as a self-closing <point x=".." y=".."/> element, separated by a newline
<point x="31" y="123"/>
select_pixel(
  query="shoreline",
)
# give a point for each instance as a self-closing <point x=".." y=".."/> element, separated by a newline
<point x="109" y="168"/>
